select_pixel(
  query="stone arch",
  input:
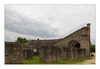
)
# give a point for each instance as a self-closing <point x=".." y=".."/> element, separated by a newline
<point x="74" y="44"/>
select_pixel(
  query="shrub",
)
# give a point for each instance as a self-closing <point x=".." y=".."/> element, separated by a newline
<point x="92" y="48"/>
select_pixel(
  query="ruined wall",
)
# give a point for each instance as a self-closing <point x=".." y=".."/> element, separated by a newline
<point x="68" y="53"/>
<point x="28" y="53"/>
<point x="44" y="53"/>
<point x="13" y="53"/>
<point x="82" y="36"/>
<point x="49" y="53"/>
<point x="65" y="41"/>
<point x="80" y="53"/>
<point x="85" y="39"/>
<point x="73" y="53"/>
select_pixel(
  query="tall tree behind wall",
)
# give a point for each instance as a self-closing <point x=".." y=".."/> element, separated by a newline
<point x="22" y="40"/>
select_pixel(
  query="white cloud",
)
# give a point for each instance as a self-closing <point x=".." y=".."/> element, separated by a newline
<point x="12" y="36"/>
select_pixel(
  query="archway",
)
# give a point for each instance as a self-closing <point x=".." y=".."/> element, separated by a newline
<point x="77" y="45"/>
<point x="74" y="44"/>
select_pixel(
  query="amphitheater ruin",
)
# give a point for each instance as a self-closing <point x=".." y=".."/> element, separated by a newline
<point x="75" y="45"/>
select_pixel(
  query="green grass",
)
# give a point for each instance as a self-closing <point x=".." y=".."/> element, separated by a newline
<point x="36" y="60"/>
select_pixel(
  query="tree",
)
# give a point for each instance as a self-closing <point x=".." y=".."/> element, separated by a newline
<point x="22" y="40"/>
<point x="92" y="48"/>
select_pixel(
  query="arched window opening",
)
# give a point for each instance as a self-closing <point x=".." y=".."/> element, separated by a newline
<point x="77" y="45"/>
<point x="74" y="44"/>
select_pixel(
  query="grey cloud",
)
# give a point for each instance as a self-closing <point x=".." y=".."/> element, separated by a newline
<point x="18" y="22"/>
<point x="46" y="20"/>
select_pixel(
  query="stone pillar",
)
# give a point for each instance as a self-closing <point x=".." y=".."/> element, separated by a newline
<point x="13" y="53"/>
<point x="80" y="53"/>
<point x="60" y="52"/>
<point x="68" y="53"/>
<point x="88" y="26"/>
<point x="24" y="54"/>
<point x="54" y="53"/>
<point x="27" y="53"/>
<point x="44" y="53"/>
<point x="85" y="39"/>
<point x="49" y="53"/>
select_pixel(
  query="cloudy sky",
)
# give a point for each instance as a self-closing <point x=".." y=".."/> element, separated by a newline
<point x="47" y="21"/>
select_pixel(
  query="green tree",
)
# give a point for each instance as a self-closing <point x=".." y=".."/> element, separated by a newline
<point x="22" y="40"/>
<point x="92" y="48"/>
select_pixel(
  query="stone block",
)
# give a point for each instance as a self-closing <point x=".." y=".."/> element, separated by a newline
<point x="80" y="53"/>
<point x="13" y="53"/>
<point x="49" y="53"/>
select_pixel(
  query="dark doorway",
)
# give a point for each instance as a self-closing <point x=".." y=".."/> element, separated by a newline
<point x="77" y="45"/>
<point x="74" y="44"/>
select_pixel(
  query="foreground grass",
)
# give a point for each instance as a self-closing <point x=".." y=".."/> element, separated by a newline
<point x="36" y="60"/>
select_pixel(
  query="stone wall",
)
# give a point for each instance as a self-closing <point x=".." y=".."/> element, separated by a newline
<point x="68" y="53"/>
<point x="13" y="53"/>
<point x="28" y="53"/>
<point x="80" y="53"/>
<point x="73" y="53"/>
<point x="81" y="36"/>
<point x="49" y="53"/>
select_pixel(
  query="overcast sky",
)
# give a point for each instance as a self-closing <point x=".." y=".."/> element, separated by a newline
<point x="47" y="21"/>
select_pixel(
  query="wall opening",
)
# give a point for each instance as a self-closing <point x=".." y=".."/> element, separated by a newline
<point x="77" y="45"/>
<point x="74" y="44"/>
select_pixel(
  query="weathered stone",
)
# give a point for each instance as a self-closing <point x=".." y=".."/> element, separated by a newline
<point x="68" y="53"/>
<point x="73" y="53"/>
<point x="49" y="53"/>
<point x="13" y="53"/>
<point x="75" y="45"/>
<point x="79" y="38"/>
<point x="80" y="53"/>
<point x="28" y="53"/>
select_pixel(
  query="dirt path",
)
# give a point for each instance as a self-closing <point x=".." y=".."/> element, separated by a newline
<point x="90" y="61"/>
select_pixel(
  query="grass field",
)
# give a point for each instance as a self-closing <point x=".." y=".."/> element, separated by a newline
<point x="36" y="60"/>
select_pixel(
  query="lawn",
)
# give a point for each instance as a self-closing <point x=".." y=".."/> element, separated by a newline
<point x="36" y="60"/>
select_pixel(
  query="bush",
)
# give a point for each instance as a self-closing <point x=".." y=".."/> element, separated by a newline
<point x="92" y="48"/>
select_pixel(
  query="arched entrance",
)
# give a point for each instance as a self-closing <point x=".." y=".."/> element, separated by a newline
<point x="74" y="44"/>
